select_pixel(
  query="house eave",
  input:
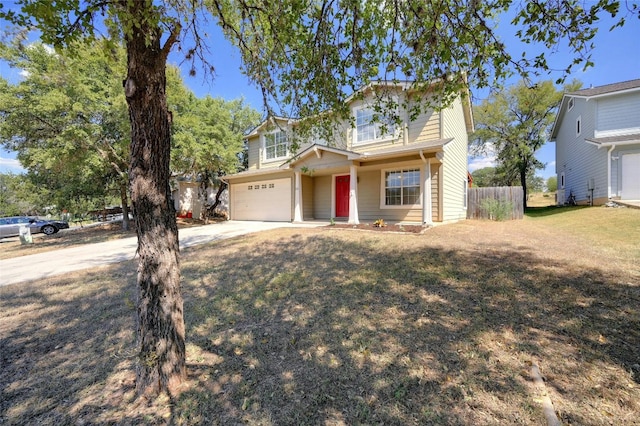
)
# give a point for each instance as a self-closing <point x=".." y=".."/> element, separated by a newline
<point x="614" y="140"/>
<point x="251" y="173"/>
<point x="425" y="147"/>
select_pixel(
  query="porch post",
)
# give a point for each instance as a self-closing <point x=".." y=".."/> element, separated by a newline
<point x="353" y="195"/>
<point x="297" y="210"/>
<point x="427" y="208"/>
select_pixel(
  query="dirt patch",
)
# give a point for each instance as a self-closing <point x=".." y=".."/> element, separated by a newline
<point x="397" y="228"/>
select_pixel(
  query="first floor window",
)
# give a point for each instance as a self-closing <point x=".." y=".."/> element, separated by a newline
<point x="402" y="187"/>
<point x="275" y="145"/>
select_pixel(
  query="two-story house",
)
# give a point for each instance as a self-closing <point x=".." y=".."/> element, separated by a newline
<point x="413" y="172"/>
<point x="597" y="136"/>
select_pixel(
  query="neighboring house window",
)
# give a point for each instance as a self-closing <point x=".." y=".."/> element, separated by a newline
<point x="570" y="104"/>
<point x="578" y="126"/>
<point x="370" y="130"/>
<point x="276" y="145"/>
<point x="401" y="188"/>
<point x="562" y="180"/>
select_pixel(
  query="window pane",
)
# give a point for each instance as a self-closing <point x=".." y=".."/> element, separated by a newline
<point x="411" y="178"/>
<point x="411" y="195"/>
<point x="393" y="196"/>
<point x="393" y="179"/>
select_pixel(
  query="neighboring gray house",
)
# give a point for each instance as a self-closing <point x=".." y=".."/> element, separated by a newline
<point x="416" y="172"/>
<point x="597" y="136"/>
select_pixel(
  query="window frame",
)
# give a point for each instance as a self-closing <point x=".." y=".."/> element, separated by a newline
<point x="392" y="130"/>
<point x="383" y="188"/>
<point x="571" y="103"/>
<point x="275" y="134"/>
<point x="578" y="126"/>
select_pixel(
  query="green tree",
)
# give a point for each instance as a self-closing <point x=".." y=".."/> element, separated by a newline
<point x="67" y="121"/>
<point x="305" y="56"/>
<point x="208" y="141"/>
<point x="514" y="124"/>
<point x="552" y="184"/>
<point x="18" y="196"/>
<point x="485" y="177"/>
<point x="535" y="183"/>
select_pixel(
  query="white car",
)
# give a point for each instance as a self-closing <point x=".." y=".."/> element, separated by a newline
<point x="10" y="226"/>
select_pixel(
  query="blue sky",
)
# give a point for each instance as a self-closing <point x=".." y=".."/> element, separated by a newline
<point x="616" y="57"/>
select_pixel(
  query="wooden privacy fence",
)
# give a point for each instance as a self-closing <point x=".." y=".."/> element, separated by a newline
<point x="496" y="203"/>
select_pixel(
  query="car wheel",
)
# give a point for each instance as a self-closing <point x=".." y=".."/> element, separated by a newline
<point x="49" y="229"/>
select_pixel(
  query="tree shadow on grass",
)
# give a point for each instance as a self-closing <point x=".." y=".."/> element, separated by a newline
<point x="319" y="329"/>
<point x="327" y="327"/>
<point x="535" y="212"/>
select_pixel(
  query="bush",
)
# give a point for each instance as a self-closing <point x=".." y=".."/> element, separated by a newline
<point x="498" y="210"/>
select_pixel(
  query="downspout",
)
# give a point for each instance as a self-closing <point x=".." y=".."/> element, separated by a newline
<point x="427" y="217"/>
<point x="609" y="172"/>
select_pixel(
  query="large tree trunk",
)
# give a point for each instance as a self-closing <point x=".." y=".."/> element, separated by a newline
<point x="160" y="323"/>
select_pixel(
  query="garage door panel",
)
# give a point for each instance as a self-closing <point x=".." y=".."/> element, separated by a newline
<point x="631" y="177"/>
<point x="268" y="200"/>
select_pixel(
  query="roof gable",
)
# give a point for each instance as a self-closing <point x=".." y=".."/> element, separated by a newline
<point x="590" y="93"/>
<point x="401" y="86"/>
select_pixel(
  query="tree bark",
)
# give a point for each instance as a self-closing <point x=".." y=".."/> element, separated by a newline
<point x="160" y="323"/>
<point x="523" y="182"/>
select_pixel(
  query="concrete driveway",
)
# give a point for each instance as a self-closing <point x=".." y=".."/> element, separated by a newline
<point x="44" y="265"/>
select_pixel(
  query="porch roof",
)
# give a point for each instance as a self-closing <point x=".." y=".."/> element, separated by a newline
<point x="615" y="140"/>
<point x="394" y="151"/>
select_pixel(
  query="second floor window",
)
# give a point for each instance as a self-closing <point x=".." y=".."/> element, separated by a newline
<point x="370" y="130"/>
<point x="276" y="145"/>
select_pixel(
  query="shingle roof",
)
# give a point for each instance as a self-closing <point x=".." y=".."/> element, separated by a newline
<point x="607" y="88"/>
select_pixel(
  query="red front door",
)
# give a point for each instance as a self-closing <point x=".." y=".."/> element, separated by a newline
<point x="342" y="196"/>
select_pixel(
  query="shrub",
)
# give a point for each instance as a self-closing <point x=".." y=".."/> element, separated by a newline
<point x="498" y="210"/>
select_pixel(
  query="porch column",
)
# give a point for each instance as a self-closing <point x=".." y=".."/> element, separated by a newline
<point x="427" y="208"/>
<point x="353" y="196"/>
<point x="297" y="209"/>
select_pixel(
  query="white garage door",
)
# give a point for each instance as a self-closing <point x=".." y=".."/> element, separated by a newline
<point x="631" y="177"/>
<point x="268" y="200"/>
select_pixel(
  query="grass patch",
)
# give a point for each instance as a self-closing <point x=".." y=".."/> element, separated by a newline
<point x="326" y="326"/>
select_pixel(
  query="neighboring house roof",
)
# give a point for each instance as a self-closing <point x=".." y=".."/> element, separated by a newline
<point x="607" y="89"/>
<point x="591" y="93"/>
<point x="615" y="140"/>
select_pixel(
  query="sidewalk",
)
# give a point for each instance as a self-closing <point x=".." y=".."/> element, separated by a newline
<point x="49" y="264"/>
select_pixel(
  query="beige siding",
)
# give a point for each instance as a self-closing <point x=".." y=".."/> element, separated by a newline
<point x="455" y="163"/>
<point x="369" y="195"/>
<point x="372" y="147"/>
<point x="425" y="128"/>
<point x="307" y="198"/>
<point x="327" y="161"/>
<point x="435" y="194"/>
<point x="322" y="197"/>
<point x="254" y="153"/>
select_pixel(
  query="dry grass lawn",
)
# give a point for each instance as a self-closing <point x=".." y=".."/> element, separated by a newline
<point x="338" y="327"/>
